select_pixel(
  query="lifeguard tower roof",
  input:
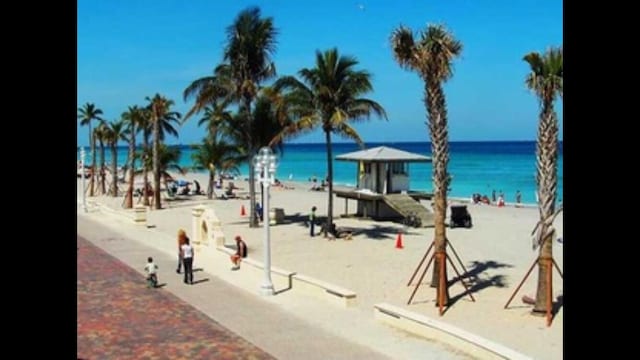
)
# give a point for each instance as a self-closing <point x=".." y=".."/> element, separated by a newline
<point x="383" y="154"/>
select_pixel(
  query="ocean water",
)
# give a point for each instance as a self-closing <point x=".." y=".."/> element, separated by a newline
<point x="476" y="167"/>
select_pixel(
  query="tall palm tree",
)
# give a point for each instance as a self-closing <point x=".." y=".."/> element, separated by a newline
<point x="87" y="114"/>
<point x="215" y="154"/>
<point x="545" y="80"/>
<point x="146" y="128"/>
<point x="161" y="118"/>
<point x="114" y="132"/>
<point x="100" y="133"/>
<point x="329" y="96"/>
<point x="251" y="42"/>
<point x="431" y="57"/>
<point x="133" y="118"/>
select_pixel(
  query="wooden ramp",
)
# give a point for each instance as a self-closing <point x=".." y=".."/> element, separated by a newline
<point x="404" y="205"/>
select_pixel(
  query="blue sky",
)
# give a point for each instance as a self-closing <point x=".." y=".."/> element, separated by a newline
<point x="130" y="49"/>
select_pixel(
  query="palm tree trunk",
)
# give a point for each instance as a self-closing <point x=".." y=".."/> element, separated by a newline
<point x="145" y="171"/>
<point x="437" y="122"/>
<point x="330" y="175"/>
<point x="547" y="151"/>
<point x="103" y="187"/>
<point x="212" y="179"/>
<point x="92" y="143"/>
<point x="132" y="166"/>
<point x="253" y="219"/>
<point x="114" y="169"/>
<point x="156" y="162"/>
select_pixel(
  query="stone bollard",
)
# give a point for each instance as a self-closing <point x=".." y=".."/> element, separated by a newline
<point x="196" y="219"/>
<point x="140" y="215"/>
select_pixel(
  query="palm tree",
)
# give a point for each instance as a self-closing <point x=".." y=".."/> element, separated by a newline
<point x="133" y="118"/>
<point x="168" y="158"/>
<point x="86" y="114"/>
<point x="251" y="41"/>
<point x="100" y="133"/>
<point x="114" y="131"/>
<point x="329" y="97"/>
<point x="545" y="80"/>
<point x="215" y="154"/>
<point x="431" y="57"/>
<point x="146" y="128"/>
<point x="215" y="116"/>
<point x="161" y="118"/>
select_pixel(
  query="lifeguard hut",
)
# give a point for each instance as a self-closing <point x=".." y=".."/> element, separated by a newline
<point x="382" y="191"/>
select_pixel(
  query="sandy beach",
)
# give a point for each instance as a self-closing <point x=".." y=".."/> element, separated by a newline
<point x="497" y="250"/>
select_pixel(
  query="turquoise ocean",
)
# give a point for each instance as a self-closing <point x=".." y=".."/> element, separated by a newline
<point x="476" y="167"/>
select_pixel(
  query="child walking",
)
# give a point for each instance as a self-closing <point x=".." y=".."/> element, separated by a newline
<point x="151" y="269"/>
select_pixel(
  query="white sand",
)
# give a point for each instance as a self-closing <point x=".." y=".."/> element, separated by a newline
<point x="499" y="245"/>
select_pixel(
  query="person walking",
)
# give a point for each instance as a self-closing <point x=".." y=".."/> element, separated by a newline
<point x="182" y="237"/>
<point x="186" y="251"/>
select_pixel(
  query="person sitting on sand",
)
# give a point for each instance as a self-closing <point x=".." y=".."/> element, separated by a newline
<point x="186" y="190"/>
<point x="230" y="187"/>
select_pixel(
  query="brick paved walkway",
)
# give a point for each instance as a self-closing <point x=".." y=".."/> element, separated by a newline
<point x="120" y="318"/>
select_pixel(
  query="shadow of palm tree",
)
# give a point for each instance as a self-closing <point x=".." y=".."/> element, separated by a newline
<point x="380" y="232"/>
<point x="474" y="282"/>
<point x="477" y="268"/>
<point x="555" y="307"/>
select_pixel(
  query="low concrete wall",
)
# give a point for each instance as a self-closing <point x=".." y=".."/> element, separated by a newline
<point x="285" y="279"/>
<point x="324" y="290"/>
<point x="433" y="329"/>
<point x="137" y="215"/>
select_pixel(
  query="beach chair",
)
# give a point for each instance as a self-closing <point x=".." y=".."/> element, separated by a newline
<point x="460" y="217"/>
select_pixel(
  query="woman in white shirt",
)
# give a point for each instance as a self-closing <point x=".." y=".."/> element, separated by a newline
<point x="186" y="251"/>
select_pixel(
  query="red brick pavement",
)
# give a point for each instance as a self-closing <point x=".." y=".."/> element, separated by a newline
<point x="120" y="318"/>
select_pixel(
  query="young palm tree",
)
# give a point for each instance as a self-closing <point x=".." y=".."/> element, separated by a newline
<point x="114" y="132"/>
<point x="133" y="119"/>
<point x="215" y="154"/>
<point x="431" y="57"/>
<point x="545" y="80"/>
<point x="100" y="133"/>
<point x="87" y="114"/>
<point x="168" y="158"/>
<point x="161" y="118"/>
<point x="329" y="96"/>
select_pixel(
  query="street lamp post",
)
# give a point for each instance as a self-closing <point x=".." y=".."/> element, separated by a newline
<point x="82" y="170"/>
<point x="265" y="164"/>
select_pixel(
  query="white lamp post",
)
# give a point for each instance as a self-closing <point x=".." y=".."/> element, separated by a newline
<point x="265" y="164"/>
<point x="82" y="170"/>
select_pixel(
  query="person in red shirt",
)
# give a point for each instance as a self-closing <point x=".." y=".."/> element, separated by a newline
<point x="241" y="253"/>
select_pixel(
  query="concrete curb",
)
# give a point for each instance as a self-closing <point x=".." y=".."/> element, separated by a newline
<point x="434" y="329"/>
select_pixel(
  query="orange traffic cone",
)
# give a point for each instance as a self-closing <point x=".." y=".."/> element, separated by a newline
<point x="242" y="211"/>
<point x="399" y="240"/>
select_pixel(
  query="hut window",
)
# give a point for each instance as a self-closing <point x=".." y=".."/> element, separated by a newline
<point x="398" y="168"/>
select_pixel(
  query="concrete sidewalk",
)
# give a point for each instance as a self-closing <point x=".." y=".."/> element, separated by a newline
<point x="289" y="325"/>
<point x="281" y="334"/>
